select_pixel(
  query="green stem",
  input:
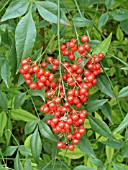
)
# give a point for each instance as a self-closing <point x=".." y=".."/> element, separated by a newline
<point x="78" y="8"/>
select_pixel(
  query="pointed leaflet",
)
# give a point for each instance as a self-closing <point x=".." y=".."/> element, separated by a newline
<point x="119" y="14"/>
<point x="106" y="110"/>
<point x="28" y="165"/>
<point x="3" y="101"/>
<point x="3" y="120"/>
<point x="100" y="127"/>
<point x="103" y="19"/>
<point x="46" y="131"/>
<point x="123" y="124"/>
<point x="30" y="126"/>
<point x="25" y="36"/>
<point x="19" y="100"/>
<point x="123" y="92"/>
<point x="48" y="11"/>
<point x="94" y="105"/>
<point x="10" y="150"/>
<point x="5" y="73"/>
<point x="104" y="85"/>
<point x="82" y="167"/>
<point x="17" y="163"/>
<point x="36" y="145"/>
<point x="15" y="9"/>
<point x="109" y="3"/>
<point x="88" y="149"/>
<point x="103" y="46"/>
<point x="81" y="22"/>
<point x="20" y="114"/>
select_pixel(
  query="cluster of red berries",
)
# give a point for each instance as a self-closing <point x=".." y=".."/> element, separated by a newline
<point x="66" y="94"/>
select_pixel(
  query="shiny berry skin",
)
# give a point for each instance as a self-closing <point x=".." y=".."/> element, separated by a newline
<point x="87" y="46"/>
<point x="71" y="147"/>
<point x="84" y="38"/>
<point x="75" y="141"/>
<point x="63" y="47"/>
<point x="33" y="86"/>
<point x="101" y="55"/>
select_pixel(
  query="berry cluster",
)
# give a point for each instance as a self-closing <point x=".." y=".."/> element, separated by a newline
<point x="66" y="94"/>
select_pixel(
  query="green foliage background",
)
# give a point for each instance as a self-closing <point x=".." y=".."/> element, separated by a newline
<point x="29" y="28"/>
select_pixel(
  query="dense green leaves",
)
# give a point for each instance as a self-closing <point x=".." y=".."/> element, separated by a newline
<point x="123" y="124"/>
<point x="100" y="127"/>
<point x="3" y="101"/>
<point x="3" y="120"/>
<point x="106" y="110"/>
<point x="25" y="36"/>
<point x="88" y="149"/>
<point x="104" y="85"/>
<point x="36" y="145"/>
<point x="123" y="25"/>
<point x="15" y="9"/>
<point x="28" y="165"/>
<point x="40" y="93"/>
<point x="109" y="3"/>
<point x="10" y="150"/>
<point x="92" y="106"/>
<point x="123" y="92"/>
<point x="46" y="131"/>
<point x="20" y="114"/>
<point x="5" y="73"/>
<point x="119" y="14"/>
<point x="48" y="11"/>
<point x="82" y="167"/>
<point x="19" y="100"/>
<point x="103" y="46"/>
<point x="17" y="163"/>
<point x="30" y="126"/>
<point x="103" y="19"/>
<point x="81" y="22"/>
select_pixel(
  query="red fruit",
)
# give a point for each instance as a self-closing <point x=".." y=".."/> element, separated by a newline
<point x="101" y="55"/>
<point x="44" y="64"/>
<point x="71" y="147"/>
<point x="57" y="100"/>
<point x="84" y="38"/>
<point x="81" y="131"/>
<point x="71" y="44"/>
<point x="46" y="109"/>
<point x="75" y="67"/>
<point x="91" y="77"/>
<point x="81" y="49"/>
<point x="61" y="124"/>
<point x="75" y="116"/>
<point x="35" y="68"/>
<point x="69" y="136"/>
<point x="24" y="61"/>
<point x="60" y="144"/>
<point x="54" y="67"/>
<point x="49" y="59"/>
<point x="51" y="77"/>
<point x="56" y="62"/>
<point x="87" y="46"/>
<point x="78" y="135"/>
<point x="71" y="57"/>
<point x="63" y="47"/>
<point x="75" y="141"/>
<point x="26" y="68"/>
<point x="33" y="86"/>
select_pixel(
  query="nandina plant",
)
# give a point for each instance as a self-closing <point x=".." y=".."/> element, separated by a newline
<point x="63" y="85"/>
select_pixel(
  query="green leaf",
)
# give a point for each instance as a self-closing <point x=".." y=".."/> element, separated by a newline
<point x="119" y="34"/>
<point x="5" y="73"/>
<point x="124" y="25"/>
<point x="94" y="105"/>
<point x="27" y="165"/>
<point x="10" y="150"/>
<point x="119" y="14"/>
<point x="20" y="114"/>
<point x="81" y="22"/>
<point x="17" y="163"/>
<point x="40" y="93"/>
<point x="3" y="120"/>
<point x="105" y="86"/>
<point x="15" y="9"/>
<point x="109" y="153"/>
<point x="109" y="3"/>
<point x="77" y="154"/>
<point x="48" y="11"/>
<point x="36" y="145"/>
<point x="123" y="92"/>
<point x="100" y="127"/>
<point x="25" y="35"/>
<point x="103" y="46"/>
<point x="30" y="126"/>
<point x="125" y="152"/>
<point x="8" y="130"/>
<point x="106" y="110"/>
<point x="122" y="125"/>
<point x="19" y="100"/>
<point x="82" y="167"/>
<point x="3" y="101"/>
<point x="113" y="143"/>
<point x="24" y="150"/>
<point x="46" y="131"/>
<point x="117" y="167"/>
<point x="103" y="19"/>
<point x="88" y="149"/>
